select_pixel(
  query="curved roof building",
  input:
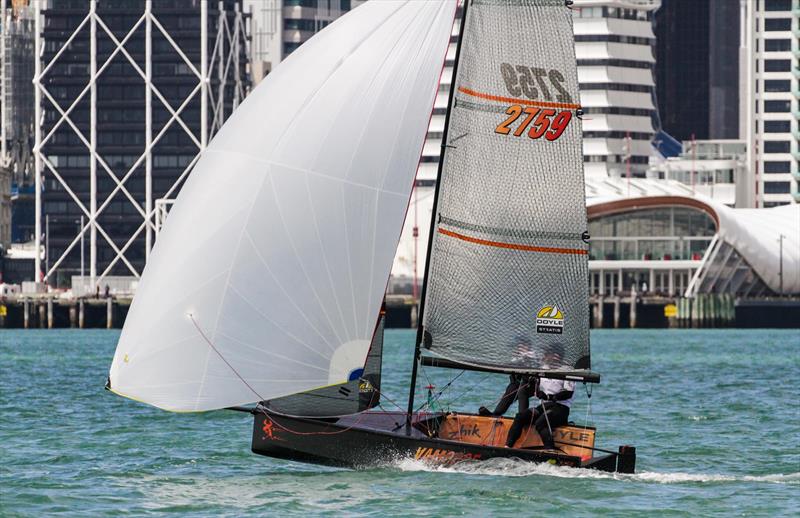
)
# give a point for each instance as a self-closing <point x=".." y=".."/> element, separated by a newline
<point x="744" y="252"/>
<point x="656" y="236"/>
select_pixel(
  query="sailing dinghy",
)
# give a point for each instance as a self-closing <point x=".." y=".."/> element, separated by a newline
<point x="266" y="283"/>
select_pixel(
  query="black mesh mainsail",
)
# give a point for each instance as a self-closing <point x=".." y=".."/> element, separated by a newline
<point x="508" y="277"/>
<point x="357" y="395"/>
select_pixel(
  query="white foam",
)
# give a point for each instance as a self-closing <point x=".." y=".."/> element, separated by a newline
<point x="520" y="468"/>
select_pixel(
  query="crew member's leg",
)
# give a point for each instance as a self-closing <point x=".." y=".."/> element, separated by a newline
<point x="556" y="416"/>
<point x="521" y="420"/>
<point x="509" y="396"/>
<point x="523" y="394"/>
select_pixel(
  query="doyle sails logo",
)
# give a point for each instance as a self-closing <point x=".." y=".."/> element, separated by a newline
<point x="550" y="320"/>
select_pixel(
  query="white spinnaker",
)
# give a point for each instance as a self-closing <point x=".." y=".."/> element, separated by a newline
<point x="275" y="257"/>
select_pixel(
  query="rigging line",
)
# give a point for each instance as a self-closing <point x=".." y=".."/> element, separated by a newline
<point x="427" y="401"/>
<point x="383" y="396"/>
<point x="266" y="415"/>
<point x="588" y="407"/>
<point x="295" y="432"/>
<point x="547" y="420"/>
<point x="459" y="396"/>
<point x="421" y="304"/>
<point x="439" y="394"/>
<point x="532" y="421"/>
<point x="191" y="317"/>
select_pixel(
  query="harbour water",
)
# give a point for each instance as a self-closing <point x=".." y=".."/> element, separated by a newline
<point x="714" y="415"/>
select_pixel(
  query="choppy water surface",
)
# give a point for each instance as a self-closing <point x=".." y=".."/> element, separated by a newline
<point x="715" y="416"/>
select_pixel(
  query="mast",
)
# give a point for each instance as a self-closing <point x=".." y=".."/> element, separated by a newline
<point x="421" y="311"/>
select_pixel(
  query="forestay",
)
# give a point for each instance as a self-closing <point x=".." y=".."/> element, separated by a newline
<point x="269" y="274"/>
<point x="508" y="279"/>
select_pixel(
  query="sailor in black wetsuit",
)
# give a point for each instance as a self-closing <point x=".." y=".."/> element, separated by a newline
<point x="520" y="386"/>
<point x="556" y="396"/>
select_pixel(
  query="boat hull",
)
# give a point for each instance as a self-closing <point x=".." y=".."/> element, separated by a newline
<point x="380" y="438"/>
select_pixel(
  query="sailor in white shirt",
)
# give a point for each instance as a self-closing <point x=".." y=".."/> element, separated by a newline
<point x="556" y="396"/>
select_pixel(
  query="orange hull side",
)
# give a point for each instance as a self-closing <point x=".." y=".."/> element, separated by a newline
<point x="492" y="431"/>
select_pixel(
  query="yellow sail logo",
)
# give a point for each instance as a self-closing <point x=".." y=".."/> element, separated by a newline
<point x="550" y="320"/>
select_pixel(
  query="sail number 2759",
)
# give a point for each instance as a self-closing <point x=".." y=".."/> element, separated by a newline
<point x="545" y="122"/>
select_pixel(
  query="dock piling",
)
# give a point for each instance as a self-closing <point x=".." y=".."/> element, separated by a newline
<point x="50" y="313"/>
<point x="109" y="313"/>
<point x="598" y="313"/>
<point x="73" y="316"/>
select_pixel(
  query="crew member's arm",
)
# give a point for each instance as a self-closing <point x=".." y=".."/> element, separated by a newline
<point x="564" y="394"/>
<point x="560" y="396"/>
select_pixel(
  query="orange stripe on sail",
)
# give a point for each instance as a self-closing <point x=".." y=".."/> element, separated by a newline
<point x="513" y="246"/>
<point x="514" y="100"/>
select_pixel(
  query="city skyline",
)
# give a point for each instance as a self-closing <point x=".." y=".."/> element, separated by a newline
<point x="625" y="92"/>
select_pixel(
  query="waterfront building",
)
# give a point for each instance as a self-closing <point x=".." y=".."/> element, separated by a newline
<point x="710" y="167"/>
<point x="5" y="210"/>
<point x="127" y="94"/>
<point x="696" y="38"/>
<point x="614" y="44"/>
<point x="662" y="239"/>
<point x="16" y="120"/>
<point x="770" y="109"/>
<point x="281" y="26"/>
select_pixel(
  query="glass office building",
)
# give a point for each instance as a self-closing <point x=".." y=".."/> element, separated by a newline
<point x="121" y="131"/>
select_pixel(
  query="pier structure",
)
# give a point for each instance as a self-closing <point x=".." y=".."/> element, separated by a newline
<point x="627" y="310"/>
<point x="50" y="311"/>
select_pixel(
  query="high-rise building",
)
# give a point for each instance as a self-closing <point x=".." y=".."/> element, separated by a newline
<point x="770" y="63"/>
<point x="127" y="93"/>
<point x="697" y="69"/>
<point x="281" y="26"/>
<point x="614" y="44"/>
<point x="5" y="209"/>
<point x="16" y="121"/>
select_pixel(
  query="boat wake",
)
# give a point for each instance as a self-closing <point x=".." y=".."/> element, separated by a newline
<point x="519" y="468"/>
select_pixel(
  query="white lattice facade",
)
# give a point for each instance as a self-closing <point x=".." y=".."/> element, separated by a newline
<point x="127" y="95"/>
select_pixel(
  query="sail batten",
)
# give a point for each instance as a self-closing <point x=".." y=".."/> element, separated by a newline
<point x="282" y="238"/>
<point x="507" y="285"/>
